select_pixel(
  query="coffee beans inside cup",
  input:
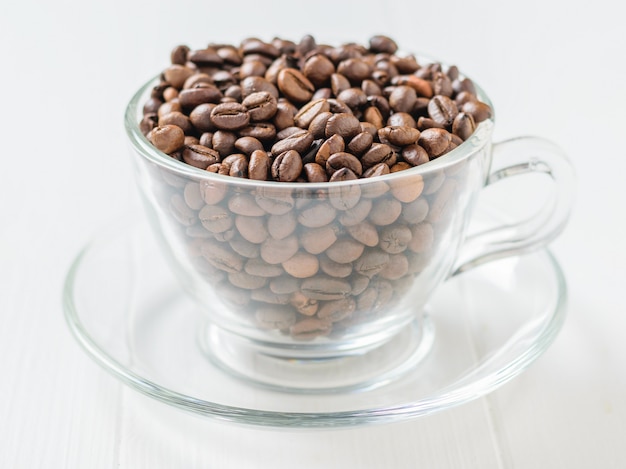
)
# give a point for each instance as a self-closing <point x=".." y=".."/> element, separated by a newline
<point x="308" y="110"/>
<point x="310" y="261"/>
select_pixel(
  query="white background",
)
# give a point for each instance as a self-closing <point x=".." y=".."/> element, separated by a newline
<point x="554" y="69"/>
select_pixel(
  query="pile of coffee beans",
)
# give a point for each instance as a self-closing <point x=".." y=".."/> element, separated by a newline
<point x="308" y="112"/>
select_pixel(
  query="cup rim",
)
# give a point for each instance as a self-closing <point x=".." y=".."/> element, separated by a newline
<point x="142" y="145"/>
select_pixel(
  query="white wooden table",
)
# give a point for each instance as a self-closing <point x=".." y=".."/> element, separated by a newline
<point x="69" y="67"/>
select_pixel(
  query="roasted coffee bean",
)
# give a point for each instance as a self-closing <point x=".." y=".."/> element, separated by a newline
<point x="190" y="140"/>
<point x="246" y="249"/>
<point x="281" y="226"/>
<point x="294" y="85"/>
<point x="365" y="233"/>
<point x="371" y="263"/>
<point x="170" y="93"/>
<point x="401" y="119"/>
<point x="190" y="98"/>
<point x="263" y="131"/>
<point x="337" y="310"/>
<point x="277" y="251"/>
<point x="402" y="99"/>
<point x="341" y="160"/>
<point x="315" y="173"/>
<point x="248" y="145"/>
<point x="181" y="212"/>
<point x="260" y="105"/>
<point x="318" y="125"/>
<point x="422" y="236"/>
<point x="167" y="138"/>
<point x="354" y="69"/>
<point x="442" y="85"/>
<point x="200" y="117"/>
<point x="479" y="111"/>
<point x="309" y="111"/>
<point x="406" y="189"/>
<point x="334" y="144"/>
<point x="443" y="202"/>
<point x="375" y="297"/>
<point x="301" y="265"/>
<point x="275" y="317"/>
<point x="224" y="142"/>
<point x="152" y="106"/>
<point x="299" y="141"/>
<point x="192" y="196"/>
<point x="265" y="295"/>
<point x="285" y="113"/>
<point x="284" y="285"/>
<point x="343" y="174"/>
<point x="371" y="88"/>
<point x="317" y="215"/>
<point x="204" y="57"/>
<point x="415" y="212"/>
<point x="463" y="125"/>
<point x="287" y="166"/>
<point x="245" y="204"/>
<point x="434" y="141"/>
<point x="414" y="155"/>
<point x="442" y="110"/>
<point x="148" y="122"/>
<point x="343" y="124"/>
<point x="274" y="201"/>
<point x="230" y="116"/>
<point x="356" y="214"/>
<point x="170" y="106"/>
<point x="252" y="68"/>
<point x="397" y="268"/>
<point x="384" y="212"/>
<point x="259" y="165"/>
<point x="310" y="328"/>
<point x="423" y="88"/>
<point x="383" y="44"/>
<point x="287" y="132"/>
<point x="399" y="136"/>
<point x="215" y="218"/>
<point x="379" y="169"/>
<point x="345" y="250"/>
<point x="360" y="143"/>
<point x="322" y="287"/>
<point x="260" y="268"/>
<point x="200" y="156"/>
<point x="246" y="281"/>
<point x="338" y="83"/>
<point x="334" y="269"/>
<point x="424" y="123"/>
<point x="179" y="119"/>
<point x="303" y="304"/>
<point x="198" y="80"/>
<point x="373" y="116"/>
<point x="378" y="153"/>
<point x="395" y="239"/>
<point x="176" y="75"/>
<point x="354" y="98"/>
<point x="221" y="256"/>
<point x="318" y="69"/>
<point x="317" y="240"/>
<point x="179" y="55"/>
<point x="251" y="85"/>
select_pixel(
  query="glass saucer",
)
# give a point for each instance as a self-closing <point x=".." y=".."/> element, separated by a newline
<point x="127" y="311"/>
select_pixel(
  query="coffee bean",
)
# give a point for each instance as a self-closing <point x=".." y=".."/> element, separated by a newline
<point x="317" y="240"/>
<point x="287" y="166"/>
<point x="221" y="257"/>
<point x="193" y="196"/>
<point x="215" y="218"/>
<point x="378" y="153"/>
<point x="167" y="138"/>
<point x="375" y="297"/>
<point x="400" y="166"/>
<point x="179" y="55"/>
<point x="200" y="156"/>
<point x="360" y="143"/>
<point x="422" y="87"/>
<point x="338" y="107"/>
<point x="301" y="265"/>
<point x="200" y="117"/>
<point x="335" y="269"/>
<point x="260" y="268"/>
<point x="259" y="165"/>
<point x="315" y="173"/>
<point x="399" y="136"/>
<point x="277" y="251"/>
<point x="275" y="317"/>
<point x="318" y="69"/>
<point x="212" y="192"/>
<point x="397" y="267"/>
<point x="246" y="281"/>
<point x="344" y="197"/>
<point x="284" y="285"/>
<point x="299" y="141"/>
<point x="479" y="111"/>
<point x="373" y="116"/>
<point x="245" y="248"/>
<point x="402" y="99"/>
<point x="395" y="239"/>
<point x="356" y="214"/>
<point x="334" y="144"/>
<point x="197" y="80"/>
<point x="168" y="107"/>
<point x="434" y="141"/>
<point x="281" y="226"/>
<point x="322" y="287"/>
<point x="303" y="304"/>
<point x="251" y="229"/>
<point x="337" y="310"/>
<point x="345" y="250"/>
<point x="343" y="124"/>
<point x="178" y="119"/>
<point x="354" y="69"/>
<point x="317" y="127"/>
<point x="317" y="215"/>
<point x="310" y="111"/>
<point x="401" y="119"/>
<point x="294" y="85"/>
<point x="181" y="212"/>
<point x="190" y="98"/>
<point x="365" y="233"/>
<point x="463" y="125"/>
<point x="415" y="155"/>
<point x="371" y="88"/>
<point x="371" y="263"/>
<point x="442" y="85"/>
<point x="383" y="44"/>
<point x="442" y="110"/>
<point x="176" y="75"/>
<point x="341" y="160"/>
<point x="384" y="212"/>
<point x="310" y="328"/>
<point x="274" y="201"/>
<point x="254" y="84"/>
<point x="338" y="83"/>
<point x="443" y="202"/>
<point x="224" y="142"/>
<point x="354" y="98"/>
<point x="252" y="68"/>
<point x="261" y="105"/>
<point x="265" y="295"/>
<point x="245" y="204"/>
<point x="263" y="131"/>
<point x="204" y="57"/>
<point x="407" y="189"/>
<point x="230" y="116"/>
<point x="248" y="145"/>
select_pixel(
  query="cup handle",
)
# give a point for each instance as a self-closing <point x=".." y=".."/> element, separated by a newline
<point x="523" y="155"/>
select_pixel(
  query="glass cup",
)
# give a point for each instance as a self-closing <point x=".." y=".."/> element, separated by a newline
<point x="322" y="286"/>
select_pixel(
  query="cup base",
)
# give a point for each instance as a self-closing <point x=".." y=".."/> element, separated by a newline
<point x="375" y="367"/>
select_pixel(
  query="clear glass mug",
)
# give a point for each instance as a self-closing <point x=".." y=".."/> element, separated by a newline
<point x="316" y="286"/>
